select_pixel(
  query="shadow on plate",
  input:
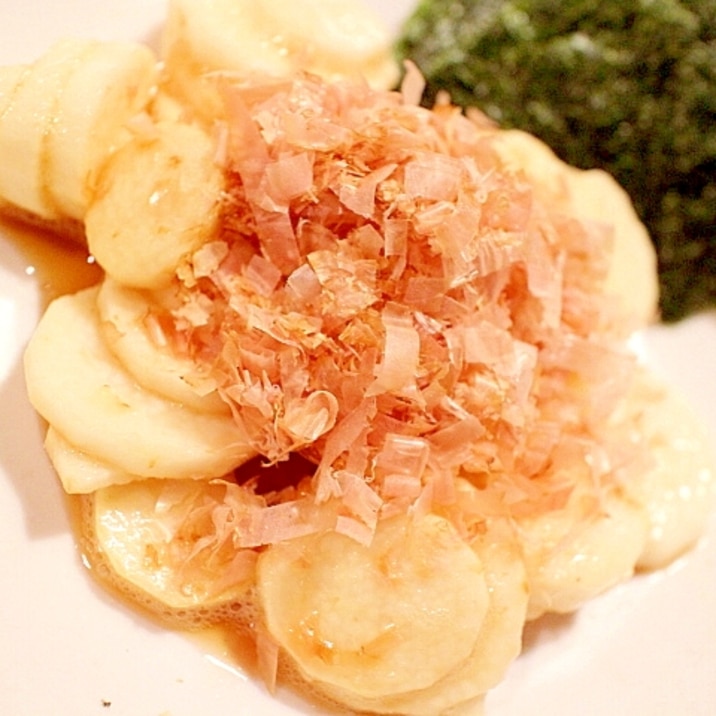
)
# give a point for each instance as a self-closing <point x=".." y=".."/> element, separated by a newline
<point x="547" y="628"/>
<point x="24" y="462"/>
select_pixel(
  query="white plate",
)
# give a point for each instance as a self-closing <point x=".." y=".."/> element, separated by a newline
<point x="69" y="649"/>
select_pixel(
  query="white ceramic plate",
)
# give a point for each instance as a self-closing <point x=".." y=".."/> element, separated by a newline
<point x="69" y="649"/>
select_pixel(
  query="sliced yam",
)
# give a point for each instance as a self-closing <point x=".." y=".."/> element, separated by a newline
<point x="112" y="84"/>
<point x="594" y="195"/>
<point x="65" y="114"/>
<point x="583" y="549"/>
<point x="162" y="546"/>
<point x="632" y="276"/>
<point x="499" y="642"/>
<point x="156" y="202"/>
<point x="26" y="123"/>
<point x="337" y="38"/>
<point x="125" y="316"/>
<point x="366" y="623"/>
<point x="79" y="472"/>
<point x="11" y="79"/>
<point x="81" y="389"/>
<point x="678" y="492"/>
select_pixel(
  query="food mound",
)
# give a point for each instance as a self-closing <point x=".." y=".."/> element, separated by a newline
<point x="357" y="380"/>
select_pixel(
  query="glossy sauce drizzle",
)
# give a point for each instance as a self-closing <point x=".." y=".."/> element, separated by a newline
<point x="59" y="265"/>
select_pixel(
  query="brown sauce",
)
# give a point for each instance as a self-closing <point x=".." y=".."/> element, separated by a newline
<point x="58" y="264"/>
